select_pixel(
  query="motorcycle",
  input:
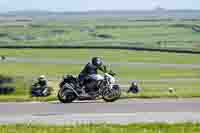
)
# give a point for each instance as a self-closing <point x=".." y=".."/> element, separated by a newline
<point x="95" y="86"/>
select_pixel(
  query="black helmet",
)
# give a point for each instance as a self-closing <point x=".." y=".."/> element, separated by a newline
<point x="97" y="61"/>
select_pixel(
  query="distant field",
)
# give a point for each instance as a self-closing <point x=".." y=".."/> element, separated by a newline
<point x="104" y="128"/>
<point x="173" y="34"/>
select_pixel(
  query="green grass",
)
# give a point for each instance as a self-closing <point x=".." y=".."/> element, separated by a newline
<point x="104" y="128"/>
<point x="29" y="71"/>
<point x="123" y="72"/>
<point x="108" y="55"/>
<point x="160" y="90"/>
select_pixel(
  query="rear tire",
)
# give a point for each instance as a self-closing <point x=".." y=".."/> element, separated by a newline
<point x="66" y="96"/>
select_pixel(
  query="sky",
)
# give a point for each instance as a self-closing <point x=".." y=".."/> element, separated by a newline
<point x="86" y="5"/>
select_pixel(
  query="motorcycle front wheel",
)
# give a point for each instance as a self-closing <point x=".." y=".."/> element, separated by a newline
<point x="111" y="95"/>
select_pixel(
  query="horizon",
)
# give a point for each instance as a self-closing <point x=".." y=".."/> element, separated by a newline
<point x="85" y="11"/>
<point x="96" y="5"/>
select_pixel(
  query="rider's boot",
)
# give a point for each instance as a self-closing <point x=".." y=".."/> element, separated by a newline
<point x="83" y="92"/>
<point x="45" y="91"/>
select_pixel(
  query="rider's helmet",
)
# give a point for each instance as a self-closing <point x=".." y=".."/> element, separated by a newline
<point x="134" y="83"/>
<point x="97" y="61"/>
<point x="42" y="78"/>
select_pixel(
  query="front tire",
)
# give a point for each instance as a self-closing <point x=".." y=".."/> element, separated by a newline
<point x="66" y="96"/>
<point x="111" y="95"/>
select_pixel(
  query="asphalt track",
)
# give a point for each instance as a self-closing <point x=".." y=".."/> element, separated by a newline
<point x="121" y="111"/>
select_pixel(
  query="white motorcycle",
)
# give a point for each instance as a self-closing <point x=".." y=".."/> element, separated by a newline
<point x="95" y="86"/>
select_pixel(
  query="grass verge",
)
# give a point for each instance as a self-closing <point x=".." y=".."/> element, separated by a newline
<point x="158" y="89"/>
<point x="104" y="128"/>
<point x="25" y="98"/>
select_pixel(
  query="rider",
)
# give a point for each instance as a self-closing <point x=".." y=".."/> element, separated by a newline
<point x="42" y="84"/>
<point x="134" y="88"/>
<point x="92" y="68"/>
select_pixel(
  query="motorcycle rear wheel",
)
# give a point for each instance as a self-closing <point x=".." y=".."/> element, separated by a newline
<point x="66" y="96"/>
